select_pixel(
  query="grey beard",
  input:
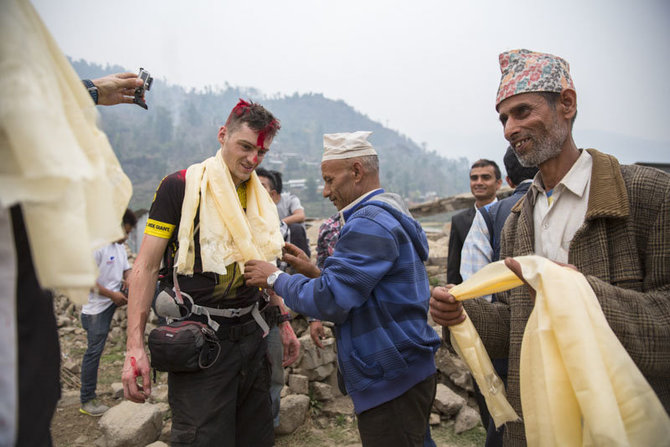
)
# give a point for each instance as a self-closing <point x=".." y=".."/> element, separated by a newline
<point x="546" y="147"/>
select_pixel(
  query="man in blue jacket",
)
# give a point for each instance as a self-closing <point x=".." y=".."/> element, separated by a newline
<point x="375" y="289"/>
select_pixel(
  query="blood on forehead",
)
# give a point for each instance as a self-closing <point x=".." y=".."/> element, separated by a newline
<point x="272" y="126"/>
<point x="242" y="108"/>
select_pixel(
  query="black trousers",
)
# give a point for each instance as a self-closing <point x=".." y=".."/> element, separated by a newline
<point x="227" y="404"/>
<point x="401" y="422"/>
<point x="39" y="349"/>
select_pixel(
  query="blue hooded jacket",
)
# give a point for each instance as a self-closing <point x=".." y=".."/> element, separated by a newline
<point x="375" y="289"/>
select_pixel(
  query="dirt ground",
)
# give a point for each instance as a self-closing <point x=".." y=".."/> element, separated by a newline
<point x="73" y="429"/>
<point x="70" y="428"/>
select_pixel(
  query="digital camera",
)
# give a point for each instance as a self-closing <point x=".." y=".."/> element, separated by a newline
<point x="147" y="80"/>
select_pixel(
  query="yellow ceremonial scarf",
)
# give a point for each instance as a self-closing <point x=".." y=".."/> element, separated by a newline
<point x="227" y="233"/>
<point x="54" y="160"/>
<point x="579" y="386"/>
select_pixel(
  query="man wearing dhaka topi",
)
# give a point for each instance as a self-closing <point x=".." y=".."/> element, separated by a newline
<point x="610" y="221"/>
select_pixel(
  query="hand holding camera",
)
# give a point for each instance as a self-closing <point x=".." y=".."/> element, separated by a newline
<point x="120" y="88"/>
<point x="147" y="80"/>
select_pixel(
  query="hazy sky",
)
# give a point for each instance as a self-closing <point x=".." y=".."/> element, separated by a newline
<point x="427" y="68"/>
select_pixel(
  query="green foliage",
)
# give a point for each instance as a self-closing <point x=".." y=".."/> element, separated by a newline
<point x="181" y="126"/>
<point x="444" y="435"/>
<point x="341" y="420"/>
<point x="315" y="406"/>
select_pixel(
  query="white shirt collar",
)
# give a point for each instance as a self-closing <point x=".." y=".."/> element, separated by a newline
<point x="576" y="178"/>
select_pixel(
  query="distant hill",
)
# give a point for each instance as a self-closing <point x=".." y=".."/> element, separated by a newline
<point x="180" y="128"/>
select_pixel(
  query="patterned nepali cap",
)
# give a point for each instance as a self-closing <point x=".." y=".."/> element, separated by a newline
<point x="525" y="71"/>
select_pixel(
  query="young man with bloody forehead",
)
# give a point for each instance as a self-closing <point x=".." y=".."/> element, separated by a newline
<point x="206" y="222"/>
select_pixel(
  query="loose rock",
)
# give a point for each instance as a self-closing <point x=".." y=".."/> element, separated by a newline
<point x="292" y="413"/>
<point x="129" y="424"/>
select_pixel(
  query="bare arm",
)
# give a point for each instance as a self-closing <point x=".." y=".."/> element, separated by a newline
<point x="142" y="286"/>
<point x="288" y="337"/>
<point x="298" y="216"/>
<point x="117" y="297"/>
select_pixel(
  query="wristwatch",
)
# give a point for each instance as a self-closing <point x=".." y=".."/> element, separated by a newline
<point x="92" y="89"/>
<point x="273" y="277"/>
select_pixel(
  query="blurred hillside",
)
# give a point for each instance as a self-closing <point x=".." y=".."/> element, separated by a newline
<point x="180" y="128"/>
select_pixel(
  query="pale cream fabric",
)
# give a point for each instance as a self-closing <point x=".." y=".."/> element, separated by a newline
<point x="579" y="386"/>
<point x="227" y="233"/>
<point x="468" y="345"/>
<point x="54" y="160"/>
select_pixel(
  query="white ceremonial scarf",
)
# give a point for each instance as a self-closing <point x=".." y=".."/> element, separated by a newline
<point x="579" y="386"/>
<point x="54" y="160"/>
<point x="227" y="233"/>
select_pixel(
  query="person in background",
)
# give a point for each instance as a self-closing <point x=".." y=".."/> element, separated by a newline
<point x="484" y="183"/>
<point x="96" y="316"/>
<point x="485" y="180"/>
<point x="275" y="348"/>
<point x="610" y="221"/>
<point x="482" y="246"/>
<point x="329" y="231"/>
<point x="289" y="208"/>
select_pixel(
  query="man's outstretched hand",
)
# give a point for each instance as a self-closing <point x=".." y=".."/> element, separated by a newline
<point x="117" y="88"/>
<point x="297" y="259"/>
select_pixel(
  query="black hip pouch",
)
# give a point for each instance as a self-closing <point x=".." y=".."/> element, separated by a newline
<point x="183" y="346"/>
